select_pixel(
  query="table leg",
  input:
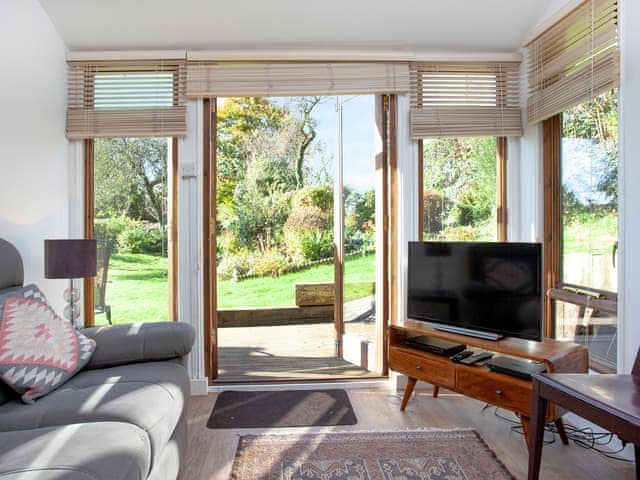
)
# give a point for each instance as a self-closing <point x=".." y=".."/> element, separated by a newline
<point x="561" y="431"/>
<point x="538" y="414"/>
<point x="637" y="454"/>
<point x="526" y="430"/>
<point x="408" y="390"/>
<point x="436" y="390"/>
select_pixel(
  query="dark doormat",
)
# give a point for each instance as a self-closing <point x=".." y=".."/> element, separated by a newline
<point x="289" y="408"/>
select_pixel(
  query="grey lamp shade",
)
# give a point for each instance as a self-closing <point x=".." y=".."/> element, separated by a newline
<point x="70" y="258"/>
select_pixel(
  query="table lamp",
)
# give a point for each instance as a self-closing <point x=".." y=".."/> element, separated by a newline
<point x="70" y="259"/>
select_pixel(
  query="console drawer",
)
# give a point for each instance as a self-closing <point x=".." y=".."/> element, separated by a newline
<point x="428" y="369"/>
<point x="497" y="389"/>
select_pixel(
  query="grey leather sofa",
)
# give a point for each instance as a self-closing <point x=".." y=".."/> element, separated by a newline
<point x="122" y="417"/>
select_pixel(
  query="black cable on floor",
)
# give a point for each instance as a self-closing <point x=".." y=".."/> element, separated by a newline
<point x="583" y="437"/>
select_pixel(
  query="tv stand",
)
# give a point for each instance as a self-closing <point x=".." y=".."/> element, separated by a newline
<point x="468" y="332"/>
<point x="502" y="390"/>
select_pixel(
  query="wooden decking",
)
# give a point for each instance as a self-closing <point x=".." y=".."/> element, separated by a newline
<point x="291" y="352"/>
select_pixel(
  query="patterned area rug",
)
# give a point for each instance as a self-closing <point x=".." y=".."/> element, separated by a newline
<point x="398" y="455"/>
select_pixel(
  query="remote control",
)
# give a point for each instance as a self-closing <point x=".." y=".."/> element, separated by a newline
<point x="476" y="357"/>
<point x="461" y="356"/>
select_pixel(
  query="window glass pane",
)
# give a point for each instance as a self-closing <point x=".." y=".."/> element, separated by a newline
<point x="131" y="211"/>
<point x="459" y="189"/>
<point x="590" y="222"/>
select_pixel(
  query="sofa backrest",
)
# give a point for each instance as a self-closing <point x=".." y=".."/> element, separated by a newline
<point x="11" y="268"/>
<point x="11" y="276"/>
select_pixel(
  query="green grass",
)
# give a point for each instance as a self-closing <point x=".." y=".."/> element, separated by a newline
<point x="137" y="287"/>
<point x="594" y="234"/>
<point x="280" y="291"/>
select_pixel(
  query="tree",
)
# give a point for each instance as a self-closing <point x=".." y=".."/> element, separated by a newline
<point x="238" y="121"/>
<point x="597" y="120"/>
<point x="463" y="171"/>
<point x="306" y="134"/>
<point x="131" y="178"/>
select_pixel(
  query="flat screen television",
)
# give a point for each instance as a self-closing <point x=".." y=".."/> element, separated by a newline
<point x="480" y="287"/>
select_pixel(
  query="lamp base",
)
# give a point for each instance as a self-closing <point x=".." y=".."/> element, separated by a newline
<point x="72" y="310"/>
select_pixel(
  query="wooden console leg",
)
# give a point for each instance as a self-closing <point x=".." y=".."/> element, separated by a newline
<point x="408" y="390"/>
<point x="436" y="390"/>
<point x="561" y="431"/>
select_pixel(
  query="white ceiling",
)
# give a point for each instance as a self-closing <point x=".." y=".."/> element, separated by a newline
<point x="411" y="25"/>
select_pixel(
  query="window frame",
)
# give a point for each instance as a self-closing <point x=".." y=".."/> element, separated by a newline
<point x="172" y="227"/>
<point x="501" y="189"/>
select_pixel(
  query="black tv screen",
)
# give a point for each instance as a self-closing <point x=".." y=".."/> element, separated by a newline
<point x="482" y="286"/>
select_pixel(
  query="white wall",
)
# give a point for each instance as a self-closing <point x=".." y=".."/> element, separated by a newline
<point x="33" y="148"/>
<point x="629" y="177"/>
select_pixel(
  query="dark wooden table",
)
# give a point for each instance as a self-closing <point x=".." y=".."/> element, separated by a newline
<point x="610" y="401"/>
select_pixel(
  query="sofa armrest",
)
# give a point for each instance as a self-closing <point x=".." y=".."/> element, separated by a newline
<point x="139" y="342"/>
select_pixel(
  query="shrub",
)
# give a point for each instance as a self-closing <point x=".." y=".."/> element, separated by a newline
<point x="473" y="207"/>
<point x="306" y="218"/>
<point x="303" y="222"/>
<point x="270" y="262"/>
<point x="317" y="245"/>
<point x="111" y="228"/>
<point x="461" y="233"/>
<point x="143" y="238"/>
<point x="320" y="196"/>
<point x="361" y="240"/>
<point x="235" y="266"/>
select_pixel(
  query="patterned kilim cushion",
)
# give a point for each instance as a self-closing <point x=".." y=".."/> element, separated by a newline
<point x="39" y="351"/>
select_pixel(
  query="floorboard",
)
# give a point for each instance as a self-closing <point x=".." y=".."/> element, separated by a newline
<point x="211" y="452"/>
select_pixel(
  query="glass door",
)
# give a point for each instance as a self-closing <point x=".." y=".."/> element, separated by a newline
<point x="293" y="213"/>
<point x="589" y="222"/>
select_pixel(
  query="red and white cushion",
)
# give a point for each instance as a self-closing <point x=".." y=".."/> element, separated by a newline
<point x="39" y="351"/>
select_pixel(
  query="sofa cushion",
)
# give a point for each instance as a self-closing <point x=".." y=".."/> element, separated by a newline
<point x="89" y="451"/>
<point x="149" y="395"/>
<point x="39" y="351"/>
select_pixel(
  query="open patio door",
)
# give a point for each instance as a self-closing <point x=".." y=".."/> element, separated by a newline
<point x="296" y="276"/>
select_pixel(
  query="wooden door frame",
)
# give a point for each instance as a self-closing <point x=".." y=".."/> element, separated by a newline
<point x="391" y="208"/>
<point x="209" y="237"/>
<point x="552" y="174"/>
<point x="385" y="160"/>
<point x="172" y="227"/>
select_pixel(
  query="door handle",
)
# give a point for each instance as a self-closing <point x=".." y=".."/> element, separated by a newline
<point x="613" y="253"/>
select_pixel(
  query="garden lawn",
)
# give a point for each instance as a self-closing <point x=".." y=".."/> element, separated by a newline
<point x="595" y="234"/>
<point x="280" y="291"/>
<point x="137" y="287"/>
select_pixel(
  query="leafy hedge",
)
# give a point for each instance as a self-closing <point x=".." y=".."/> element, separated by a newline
<point x="132" y="236"/>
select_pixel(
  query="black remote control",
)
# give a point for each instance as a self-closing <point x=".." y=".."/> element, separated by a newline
<point x="476" y="357"/>
<point x="461" y="356"/>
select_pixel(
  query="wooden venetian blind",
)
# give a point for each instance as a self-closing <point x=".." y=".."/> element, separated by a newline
<point x="465" y="99"/>
<point x="288" y="79"/>
<point x="126" y="99"/>
<point x="574" y="60"/>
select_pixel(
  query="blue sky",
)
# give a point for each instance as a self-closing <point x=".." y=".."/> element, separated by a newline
<point x="359" y="133"/>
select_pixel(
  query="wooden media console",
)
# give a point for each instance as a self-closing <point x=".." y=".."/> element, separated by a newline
<point x="505" y="391"/>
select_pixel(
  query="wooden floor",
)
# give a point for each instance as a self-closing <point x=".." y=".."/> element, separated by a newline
<point x="211" y="452"/>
